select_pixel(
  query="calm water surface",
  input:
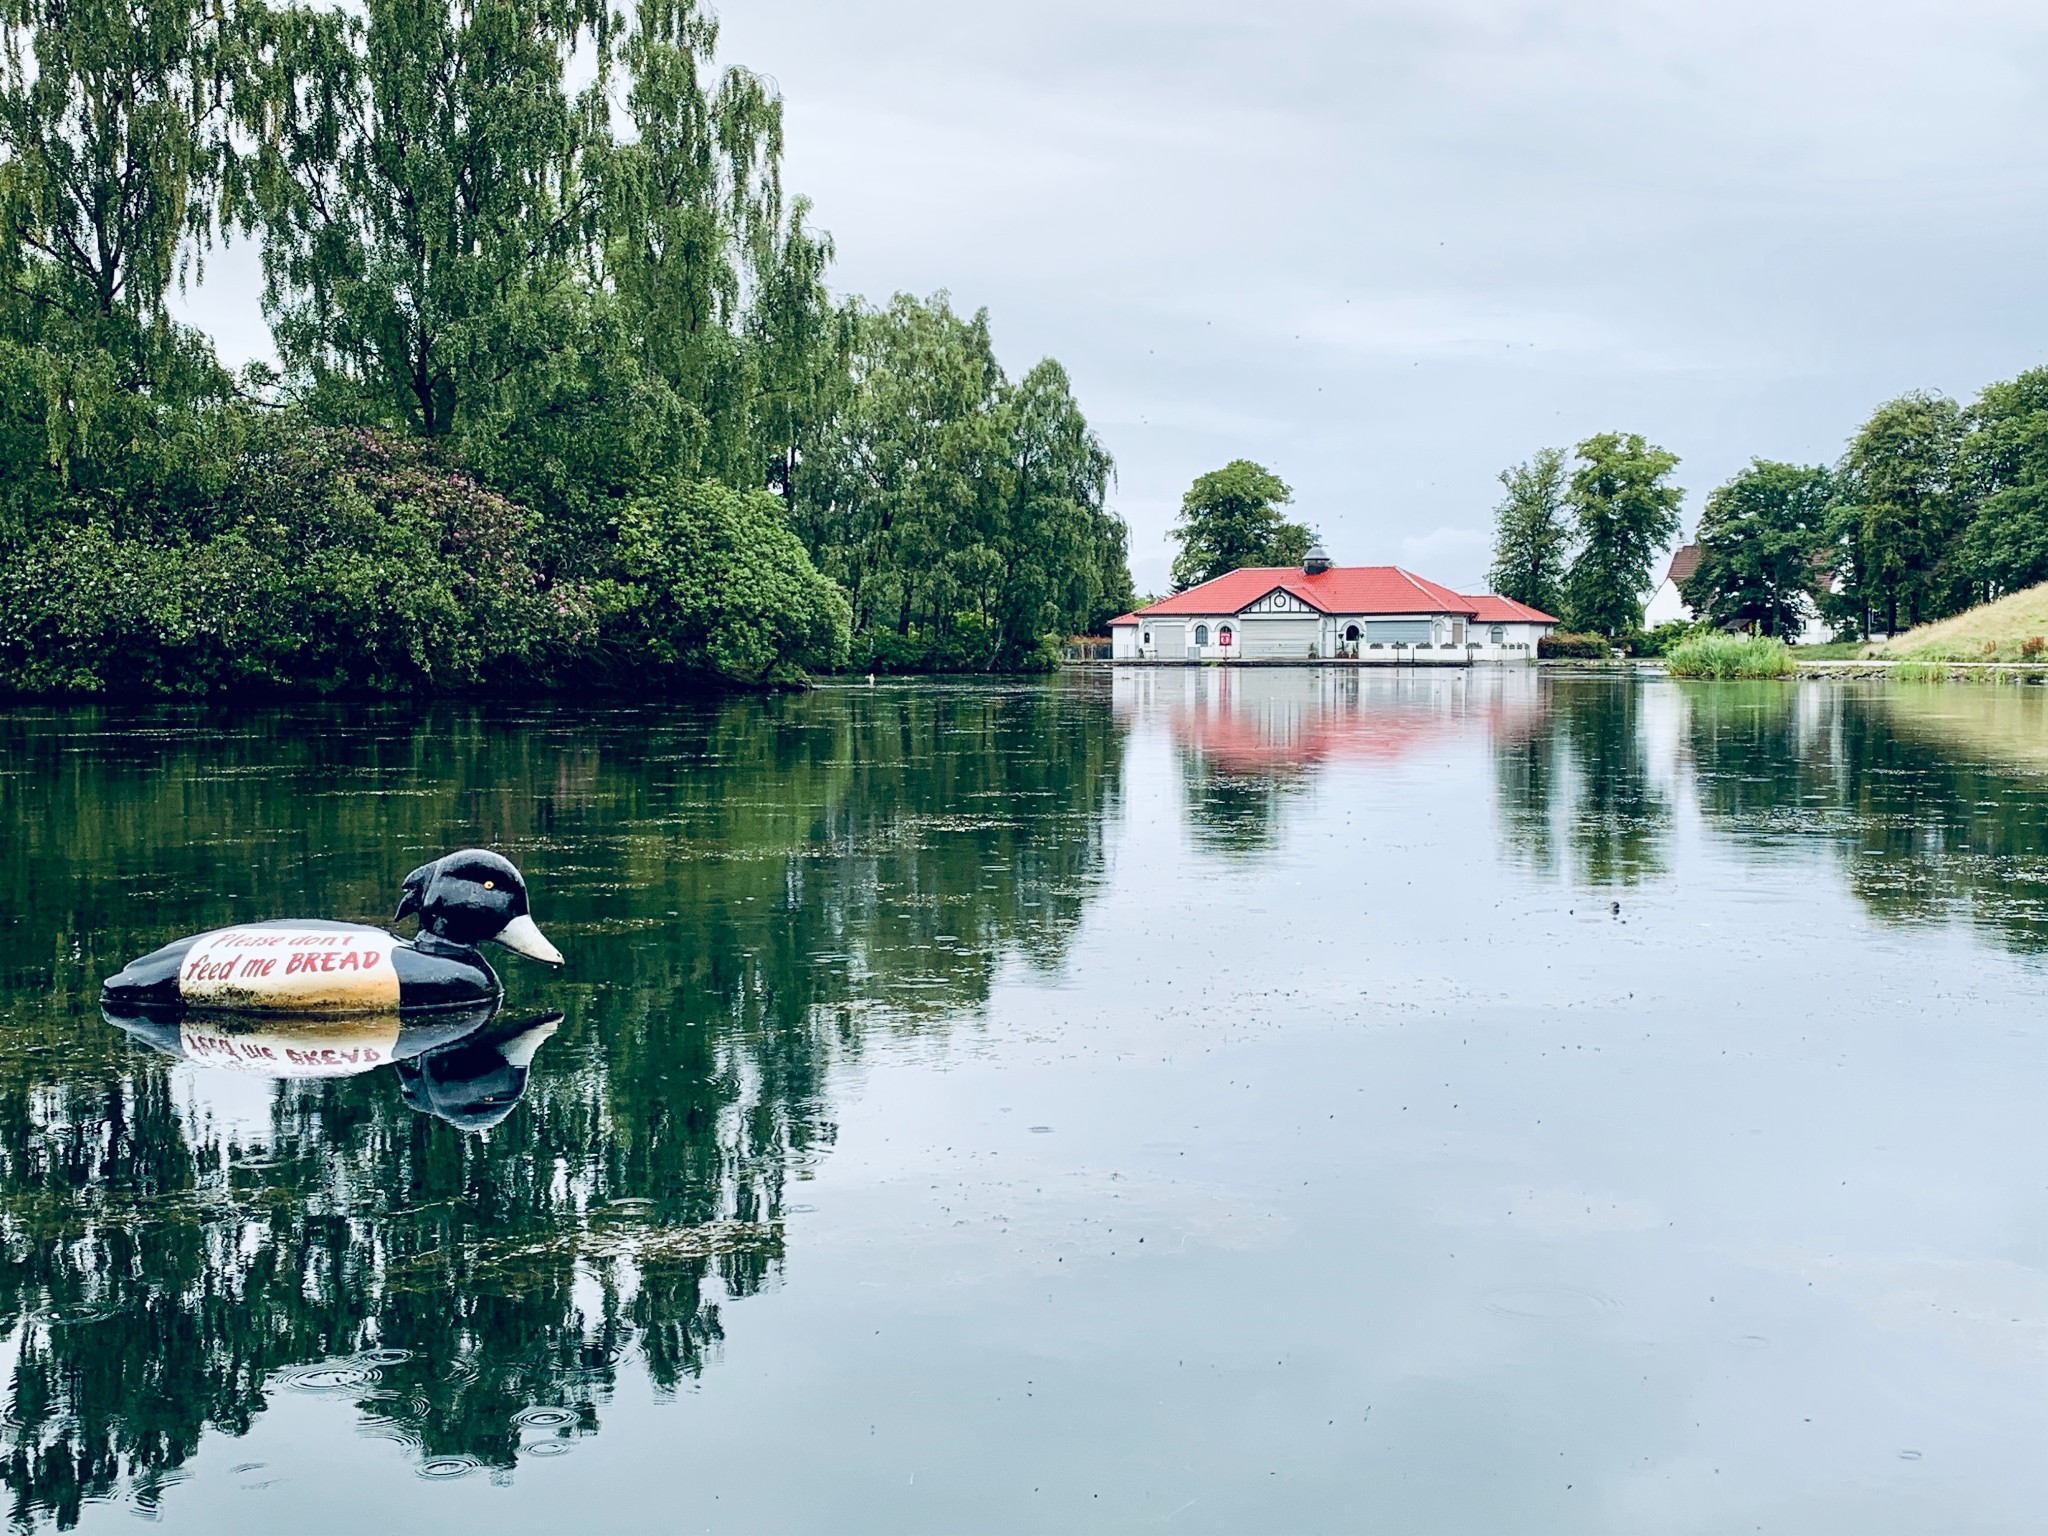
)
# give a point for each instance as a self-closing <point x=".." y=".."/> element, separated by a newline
<point x="1287" y="1102"/>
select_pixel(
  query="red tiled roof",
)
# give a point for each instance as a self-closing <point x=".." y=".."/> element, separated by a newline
<point x="1129" y="618"/>
<point x="1491" y="608"/>
<point x="1341" y="589"/>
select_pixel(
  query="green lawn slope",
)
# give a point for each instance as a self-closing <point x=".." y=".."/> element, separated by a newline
<point x="2015" y="628"/>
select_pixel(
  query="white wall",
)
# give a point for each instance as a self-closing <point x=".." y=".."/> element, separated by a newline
<point x="1666" y="607"/>
<point x="1173" y="640"/>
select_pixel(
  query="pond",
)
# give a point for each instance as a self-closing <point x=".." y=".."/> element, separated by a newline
<point x="1303" y="1101"/>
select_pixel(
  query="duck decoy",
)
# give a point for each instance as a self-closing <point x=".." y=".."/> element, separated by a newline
<point x="307" y="966"/>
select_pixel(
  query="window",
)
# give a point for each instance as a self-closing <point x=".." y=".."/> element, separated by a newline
<point x="1148" y="637"/>
<point x="1351" y="633"/>
<point x="1498" y="635"/>
<point x="1223" y="635"/>
<point x="1201" y="634"/>
<point x="1457" y="631"/>
<point x="1398" y="631"/>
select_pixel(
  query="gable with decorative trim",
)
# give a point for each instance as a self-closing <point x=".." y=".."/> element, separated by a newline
<point x="1279" y="600"/>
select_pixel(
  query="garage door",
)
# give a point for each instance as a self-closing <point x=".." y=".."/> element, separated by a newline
<point x="1171" y="641"/>
<point x="1272" y="638"/>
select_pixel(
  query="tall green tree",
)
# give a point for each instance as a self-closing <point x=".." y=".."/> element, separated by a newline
<point x="691" y="220"/>
<point x="425" y="198"/>
<point x="1532" y="539"/>
<point x="2004" y="480"/>
<point x="118" y="168"/>
<point x="913" y="455"/>
<point x="1900" y="509"/>
<point x="1758" y="537"/>
<point x="1059" y="565"/>
<point x="1625" y="510"/>
<point x="1230" y="518"/>
<point x="966" y="516"/>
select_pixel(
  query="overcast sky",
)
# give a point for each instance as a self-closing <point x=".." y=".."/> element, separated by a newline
<point x="1386" y="249"/>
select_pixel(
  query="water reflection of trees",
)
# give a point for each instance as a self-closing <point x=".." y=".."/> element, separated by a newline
<point x="1576" y="787"/>
<point x="1935" y="799"/>
<point x="747" y="891"/>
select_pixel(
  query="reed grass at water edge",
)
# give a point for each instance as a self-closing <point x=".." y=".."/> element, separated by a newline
<point x="1729" y="656"/>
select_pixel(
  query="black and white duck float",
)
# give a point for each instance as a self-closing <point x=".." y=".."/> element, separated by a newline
<point x="304" y="998"/>
<point x="307" y="966"/>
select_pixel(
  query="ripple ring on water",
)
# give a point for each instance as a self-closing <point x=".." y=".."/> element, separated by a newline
<point x="329" y="1378"/>
<point x="547" y="1448"/>
<point x="439" y="1467"/>
<point x="545" y="1418"/>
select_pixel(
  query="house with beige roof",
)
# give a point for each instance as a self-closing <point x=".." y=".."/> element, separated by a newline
<point x="1366" y="614"/>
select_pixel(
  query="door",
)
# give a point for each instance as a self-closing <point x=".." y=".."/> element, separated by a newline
<point x="1279" y="639"/>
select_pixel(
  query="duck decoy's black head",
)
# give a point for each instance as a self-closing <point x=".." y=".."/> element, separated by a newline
<point x="473" y="895"/>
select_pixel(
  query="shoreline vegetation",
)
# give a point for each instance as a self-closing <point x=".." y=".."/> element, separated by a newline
<point x="565" y="404"/>
<point x="1931" y="528"/>
<point x="1727" y="657"/>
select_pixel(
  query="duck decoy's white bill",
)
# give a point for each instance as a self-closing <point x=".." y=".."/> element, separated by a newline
<point x="523" y="937"/>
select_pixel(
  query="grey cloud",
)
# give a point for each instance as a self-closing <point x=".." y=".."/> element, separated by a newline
<point x="1389" y="248"/>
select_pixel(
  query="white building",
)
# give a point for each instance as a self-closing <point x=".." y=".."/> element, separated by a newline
<point x="1668" y="605"/>
<point x="1322" y="612"/>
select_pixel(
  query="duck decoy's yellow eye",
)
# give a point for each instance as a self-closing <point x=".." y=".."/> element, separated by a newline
<point x="490" y="885"/>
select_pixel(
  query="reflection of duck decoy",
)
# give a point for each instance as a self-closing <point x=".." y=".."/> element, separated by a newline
<point x="310" y="1045"/>
<point x="462" y="1065"/>
<point x="472" y="1083"/>
<point x="312" y="967"/>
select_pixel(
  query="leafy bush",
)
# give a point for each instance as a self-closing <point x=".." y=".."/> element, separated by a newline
<point x="329" y="560"/>
<point x="1563" y="645"/>
<point x="1730" y="656"/>
<point x="712" y="579"/>
<point x="1659" y="641"/>
<point x="347" y="560"/>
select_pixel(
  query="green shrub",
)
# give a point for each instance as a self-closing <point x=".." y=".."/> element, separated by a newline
<point x="1730" y="656"/>
<point x="337" y="560"/>
<point x="329" y="560"/>
<point x="1659" y="641"/>
<point x="1920" y="672"/>
<point x="711" y="580"/>
<point x="1563" y="645"/>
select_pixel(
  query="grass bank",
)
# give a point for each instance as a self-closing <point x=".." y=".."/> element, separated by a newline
<point x="1725" y="657"/>
<point x="2014" y="628"/>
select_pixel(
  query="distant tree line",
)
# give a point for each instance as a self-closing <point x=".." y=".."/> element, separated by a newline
<point x="562" y="395"/>
<point x="1932" y="508"/>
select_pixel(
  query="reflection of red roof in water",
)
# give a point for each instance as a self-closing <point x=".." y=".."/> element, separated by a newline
<point x="1264" y="734"/>
<point x="1247" y="741"/>
<point x="1241" y="732"/>
<point x="1341" y="589"/>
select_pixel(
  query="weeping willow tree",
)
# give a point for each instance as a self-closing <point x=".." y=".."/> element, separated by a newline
<point x="964" y="514"/>
<point x="119" y="164"/>
<point x="540" y="244"/>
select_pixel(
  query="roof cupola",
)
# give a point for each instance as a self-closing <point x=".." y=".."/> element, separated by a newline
<point x="1317" y="560"/>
